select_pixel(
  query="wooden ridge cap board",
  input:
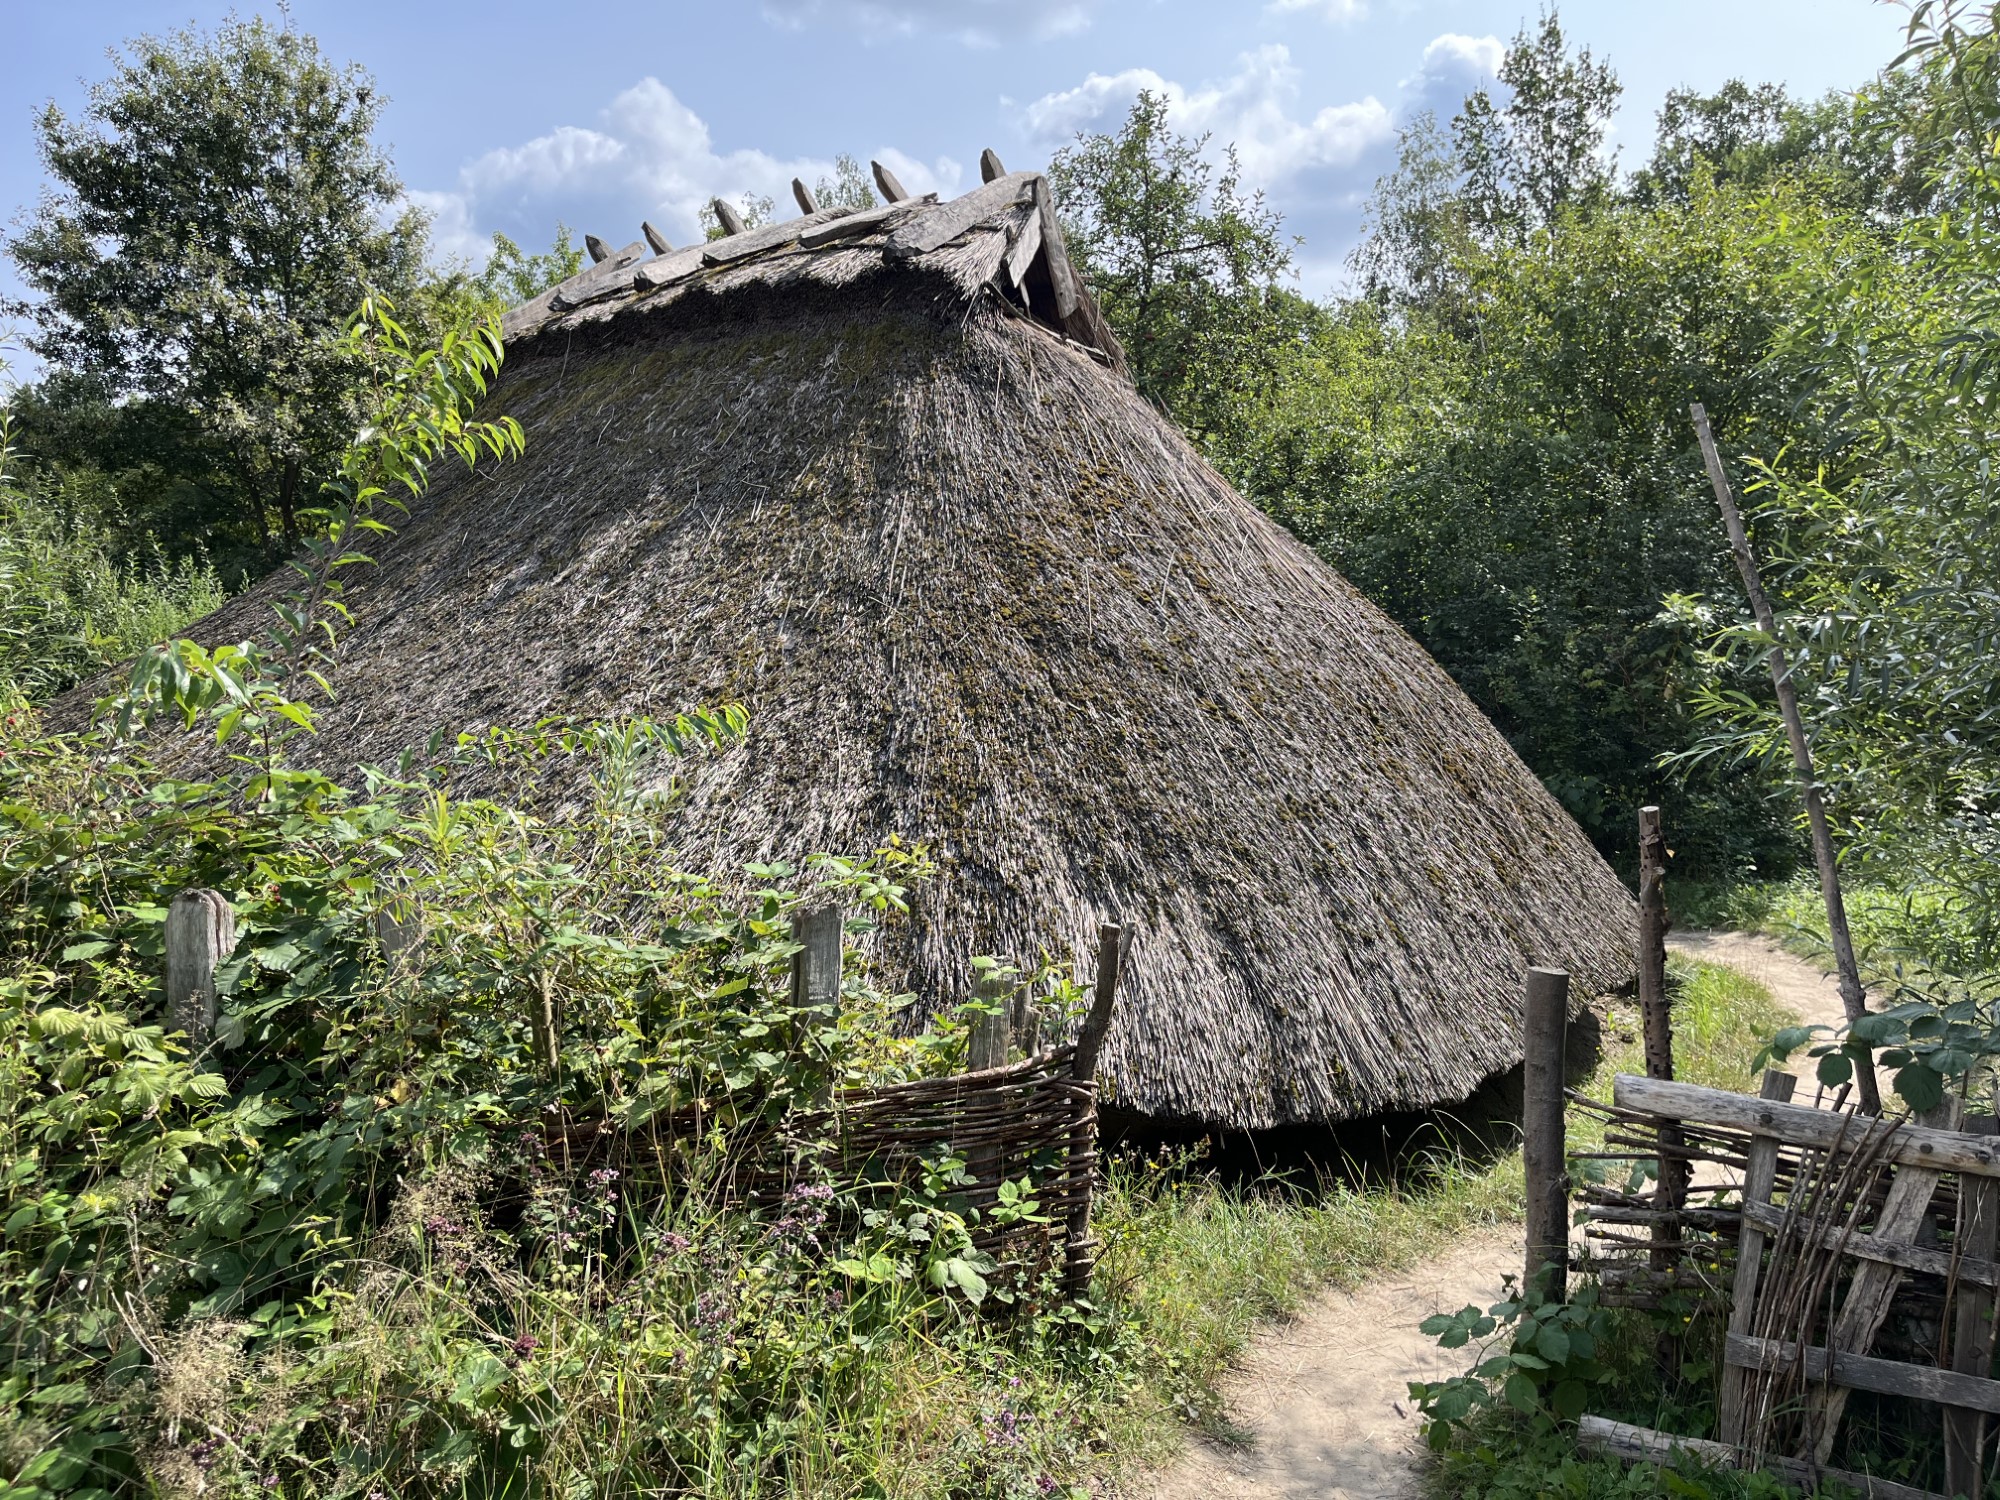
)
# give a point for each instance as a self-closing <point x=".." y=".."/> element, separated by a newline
<point x="735" y="247"/>
<point x="948" y="221"/>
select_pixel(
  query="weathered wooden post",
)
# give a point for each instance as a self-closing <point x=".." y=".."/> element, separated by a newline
<point x="398" y="929"/>
<point x="1545" y="1032"/>
<point x="1657" y="1022"/>
<point x="816" y="968"/>
<point x="1972" y="1328"/>
<point x="1653" y="946"/>
<point x="201" y="933"/>
<point x="1079" y="1249"/>
<point x="987" y="1043"/>
<point x="1760" y="1175"/>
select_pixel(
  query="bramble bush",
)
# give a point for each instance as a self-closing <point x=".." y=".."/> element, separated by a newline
<point x="349" y="1246"/>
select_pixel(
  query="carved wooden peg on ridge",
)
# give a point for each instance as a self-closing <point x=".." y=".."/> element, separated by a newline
<point x="808" y="204"/>
<point x="728" y="217"/>
<point x="599" y="251"/>
<point x="989" y="165"/>
<point x="660" y="243"/>
<point x="885" y="180"/>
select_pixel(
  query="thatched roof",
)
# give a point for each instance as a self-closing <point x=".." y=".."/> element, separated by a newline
<point x="879" y="476"/>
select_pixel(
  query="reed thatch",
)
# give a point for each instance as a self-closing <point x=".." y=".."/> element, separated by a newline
<point x="879" y="476"/>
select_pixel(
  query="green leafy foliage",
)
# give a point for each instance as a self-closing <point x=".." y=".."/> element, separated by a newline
<point x="68" y="605"/>
<point x="218" y="209"/>
<point x="1538" y="1355"/>
<point x="1880" y="539"/>
<point x="512" y="276"/>
<point x="1187" y="266"/>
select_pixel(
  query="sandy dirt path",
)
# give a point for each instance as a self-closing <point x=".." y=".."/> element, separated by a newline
<point x="1323" y="1398"/>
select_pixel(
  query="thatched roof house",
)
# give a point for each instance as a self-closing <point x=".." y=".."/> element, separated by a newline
<point x="878" y="475"/>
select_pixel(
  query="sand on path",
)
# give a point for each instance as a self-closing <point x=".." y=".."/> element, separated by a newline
<point x="1323" y="1398"/>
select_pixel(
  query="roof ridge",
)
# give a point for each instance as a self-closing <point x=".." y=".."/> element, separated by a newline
<point x="980" y="240"/>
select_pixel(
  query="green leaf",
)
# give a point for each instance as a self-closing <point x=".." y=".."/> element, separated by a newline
<point x="1552" y="1343"/>
<point x="1520" y="1393"/>
<point x="1835" y="1069"/>
<point x="1921" y="1086"/>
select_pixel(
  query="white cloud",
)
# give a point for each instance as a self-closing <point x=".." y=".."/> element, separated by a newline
<point x="649" y="156"/>
<point x="977" y="23"/>
<point x="1332" y="10"/>
<point x="1256" y="108"/>
<point x="1456" y="61"/>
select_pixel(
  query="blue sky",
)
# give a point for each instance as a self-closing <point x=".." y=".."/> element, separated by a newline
<point x="510" y="116"/>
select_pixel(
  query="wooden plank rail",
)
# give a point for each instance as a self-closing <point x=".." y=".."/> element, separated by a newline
<point x="1970" y="1272"/>
<point x="1644" y="1445"/>
<point x="1864" y="1372"/>
<point x="1801" y="1125"/>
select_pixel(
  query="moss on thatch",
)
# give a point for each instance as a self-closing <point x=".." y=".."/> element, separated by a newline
<point x="975" y="592"/>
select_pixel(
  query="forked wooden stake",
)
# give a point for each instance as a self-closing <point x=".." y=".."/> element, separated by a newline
<point x="1853" y="999"/>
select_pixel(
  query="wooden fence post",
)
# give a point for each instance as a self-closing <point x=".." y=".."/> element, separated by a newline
<point x="1653" y="946"/>
<point x="201" y="933"/>
<point x="1079" y="1249"/>
<point x="1760" y="1175"/>
<point x="1972" y="1332"/>
<point x="987" y="1043"/>
<point x="1544" y="1036"/>
<point x="816" y="966"/>
<point x="1657" y="1022"/>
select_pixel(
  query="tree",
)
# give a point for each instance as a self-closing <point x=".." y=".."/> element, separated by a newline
<point x="218" y="210"/>
<point x="512" y="276"/>
<point x="1876" y="150"/>
<point x="1418" y="230"/>
<point x="1187" y="268"/>
<point x="1500" y="173"/>
<point x="1543" y="150"/>
<point x="1881" y="543"/>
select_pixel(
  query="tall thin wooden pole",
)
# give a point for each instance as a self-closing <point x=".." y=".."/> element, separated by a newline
<point x="1853" y="999"/>
<point x="1545" y="1028"/>
<point x="1658" y="1022"/>
<point x="1653" y="946"/>
<point x="201" y="933"/>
